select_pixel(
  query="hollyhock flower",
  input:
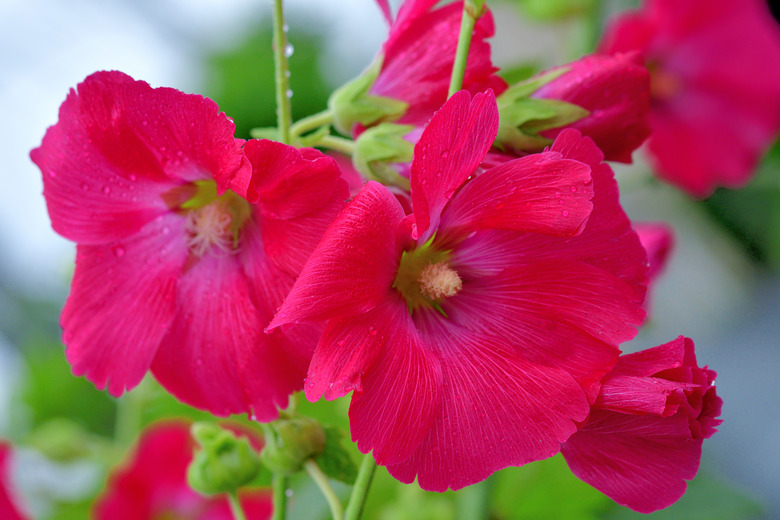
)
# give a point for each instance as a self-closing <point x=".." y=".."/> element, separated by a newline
<point x="616" y="92"/>
<point x="643" y="438"/>
<point x="417" y="59"/>
<point x="9" y="507"/>
<point x="715" y="68"/>
<point x="474" y="331"/>
<point x="187" y="243"/>
<point x="153" y="484"/>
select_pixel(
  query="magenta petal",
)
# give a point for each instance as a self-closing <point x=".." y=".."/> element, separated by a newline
<point x="641" y="462"/>
<point x="9" y="509"/>
<point x="119" y="145"/>
<point x="400" y="394"/>
<point x="121" y="304"/>
<point x="215" y="356"/>
<point x="539" y="193"/>
<point x="497" y="410"/>
<point x="449" y="150"/>
<point x="353" y="268"/>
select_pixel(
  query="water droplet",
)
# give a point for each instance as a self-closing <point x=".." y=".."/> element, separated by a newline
<point x="285" y="28"/>
<point x="287" y="74"/>
<point x="573" y="189"/>
<point x="84" y="186"/>
<point x="118" y="251"/>
<point x="565" y="213"/>
<point x="166" y="230"/>
<point x="132" y="177"/>
<point x="106" y="190"/>
<point x="288" y="50"/>
<point x="198" y="362"/>
<point x="52" y="173"/>
<point x="163" y="149"/>
<point x="444" y="154"/>
<point x="289" y="93"/>
<point x="145" y="122"/>
<point x="288" y="492"/>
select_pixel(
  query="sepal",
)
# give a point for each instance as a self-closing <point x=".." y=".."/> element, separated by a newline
<point x="380" y="145"/>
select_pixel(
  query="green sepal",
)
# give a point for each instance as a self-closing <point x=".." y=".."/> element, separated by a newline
<point x="265" y="132"/>
<point x="335" y="461"/>
<point x="351" y="103"/>
<point x="380" y="145"/>
<point x="289" y="442"/>
<point x="224" y="463"/>
<point x="312" y="139"/>
<point x="522" y="118"/>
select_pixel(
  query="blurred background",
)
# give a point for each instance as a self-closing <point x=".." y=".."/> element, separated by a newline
<point x="721" y="287"/>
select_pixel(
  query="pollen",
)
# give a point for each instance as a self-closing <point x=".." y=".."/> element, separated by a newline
<point x="439" y="280"/>
<point x="210" y="226"/>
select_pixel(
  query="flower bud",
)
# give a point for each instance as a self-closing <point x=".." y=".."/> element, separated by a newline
<point x="351" y="103"/>
<point x="224" y="463"/>
<point x="290" y="442"/>
<point x="379" y="146"/>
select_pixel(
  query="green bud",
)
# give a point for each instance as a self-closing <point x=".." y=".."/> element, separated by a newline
<point x="224" y="463"/>
<point x="291" y="442"/>
<point x="380" y="145"/>
<point x="351" y="103"/>
<point x="522" y="118"/>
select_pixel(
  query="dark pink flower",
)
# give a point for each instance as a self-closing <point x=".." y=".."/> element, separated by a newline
<point x="715" y="67"/>
<point x="9" y="506"/>
<point x="474" y="331"/>
<point x="643" y="438"/>
<point x="153" y="484"/>
<point x="616" y="92"/>
<point x="419" y="53"/>
<point x="187" y="244"/>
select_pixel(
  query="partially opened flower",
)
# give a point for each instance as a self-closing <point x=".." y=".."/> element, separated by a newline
<point x="643" y="438"/>
<point x="715" y="69"/>
<point x="474" y="331"/>
<point x="9" y="506"/>
<point x="187" y="243"/>
<point x="615" y="90"/>
<point x="416" y="63"/>
<point x="152" y="484"/>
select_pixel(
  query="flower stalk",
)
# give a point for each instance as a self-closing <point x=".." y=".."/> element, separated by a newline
<point x="360" y="490"/>
<point x="314" y="471"/>
<point x="279" y="488"/>
<point x="235" y="506"/>
<point x="283" y="92"/>
<point x="472" y="10"/>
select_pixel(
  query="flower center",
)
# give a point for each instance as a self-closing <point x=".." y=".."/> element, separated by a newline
<point x="214" y="221"/>
<point x="424" y="277"/>
<point x="439" y="281"/>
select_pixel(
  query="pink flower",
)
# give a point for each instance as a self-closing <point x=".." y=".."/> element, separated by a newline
<point x="475" y="330"/>
<point x="616" y="92"/>
<point x="9" y="507"/>
<point x="187" y="243"/>
<point x="153" y="484"/>
<point x="643" y="438"/>
<point x="419" y="54"/>
<point x="715" y="69"/>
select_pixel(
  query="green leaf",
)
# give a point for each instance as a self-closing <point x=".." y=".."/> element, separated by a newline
<point x="335" y="461"/>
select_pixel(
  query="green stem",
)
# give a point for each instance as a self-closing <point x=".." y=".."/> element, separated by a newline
<point x="314" y="471"/>
<point x="129" y="409"/>
<point x="345" y="146"/>
<point x="283" y="111"/>
<point x="360" y="490"/>
<point x="235" y="506"/>
<point x="472" y="10"/>
<point x="279" y="486"/>
<point x="312" y="122"/>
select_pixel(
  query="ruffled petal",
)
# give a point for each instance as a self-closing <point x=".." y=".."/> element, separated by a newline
<point x="353" y="267"/>
<point x="497" y="410"/>
<point x="539" y="193"/>
<point x="122" y="303"/>
<point x="215" y="356"/>
<point x="120" y="145"/>
<point x="641" y="462"/>
<point x="449" y="150"/>
<point x="401" y="393"/>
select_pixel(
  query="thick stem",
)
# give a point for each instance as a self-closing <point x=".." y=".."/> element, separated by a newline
<point x="360" y="490"/>
<point x="314" y="471"/>
<point x="279" y="486"/>
<point x="472" y="10"/>
<point x="235" y="506"/>
<point x="283" y="92"/>
<point x="312" y="122"/>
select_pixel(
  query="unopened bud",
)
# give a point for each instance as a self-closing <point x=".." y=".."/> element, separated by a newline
<point x="291" y="442"/>
<point x="224" y="463"/>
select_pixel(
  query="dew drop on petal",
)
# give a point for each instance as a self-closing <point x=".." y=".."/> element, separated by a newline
<point x="118" y="251"/>
<point x="565" y="213"/>
<point x="106" y="190"/>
